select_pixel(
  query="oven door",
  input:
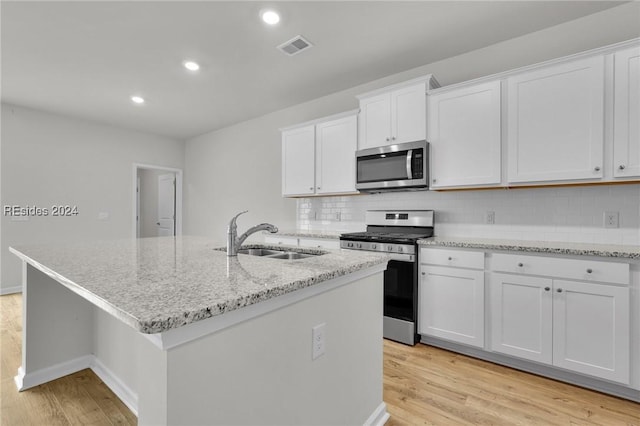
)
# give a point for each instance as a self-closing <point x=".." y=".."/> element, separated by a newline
<point x="400" y="301"/>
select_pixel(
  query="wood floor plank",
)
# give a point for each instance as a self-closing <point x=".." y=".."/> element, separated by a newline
<point x="423" y="385"/>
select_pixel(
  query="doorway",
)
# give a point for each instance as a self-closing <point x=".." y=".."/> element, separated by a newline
<point x="158" y="201"/>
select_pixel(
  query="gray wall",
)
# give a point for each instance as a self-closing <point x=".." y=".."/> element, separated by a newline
<point x="51" y="160"/>
<point x="239" y="167"/>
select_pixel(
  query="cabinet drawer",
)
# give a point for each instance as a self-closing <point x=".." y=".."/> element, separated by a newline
<point x="320" y="243"/>
<point x="576" y="269"/>
<point x="457" y="258"/>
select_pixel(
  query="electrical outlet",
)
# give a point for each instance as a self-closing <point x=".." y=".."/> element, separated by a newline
<point x="490" y="217"/>
<point x="318" y="337"/>
<point x="611" y="219"/>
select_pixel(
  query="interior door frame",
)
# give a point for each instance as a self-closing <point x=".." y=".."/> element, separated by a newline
<point x="178" y="172"/>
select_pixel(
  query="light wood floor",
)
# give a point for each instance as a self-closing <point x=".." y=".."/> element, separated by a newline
<point x="422" y="385"/>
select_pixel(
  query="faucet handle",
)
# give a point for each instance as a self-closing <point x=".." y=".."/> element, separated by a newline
<point x="232" y="222"/>
<point x="236" y="216"/>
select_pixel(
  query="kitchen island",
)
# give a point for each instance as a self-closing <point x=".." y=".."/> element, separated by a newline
<point x="185" y="335"/>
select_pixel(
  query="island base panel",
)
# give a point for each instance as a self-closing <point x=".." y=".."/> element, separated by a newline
<point x="57" y="330"/>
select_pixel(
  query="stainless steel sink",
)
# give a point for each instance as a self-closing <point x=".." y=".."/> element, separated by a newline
<point x="288" y="254"/>
<point x="259" y="252"/>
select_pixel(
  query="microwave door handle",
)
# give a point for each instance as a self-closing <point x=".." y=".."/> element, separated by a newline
<point x="409" y="163"/>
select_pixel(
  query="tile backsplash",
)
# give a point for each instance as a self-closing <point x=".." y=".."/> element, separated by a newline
<point x="572" y="214"/>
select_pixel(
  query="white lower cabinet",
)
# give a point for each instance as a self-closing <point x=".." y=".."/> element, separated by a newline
<point x="576" y="325"/>
<point x="591" y="329"/>
<point x="451" y="301"/>
<point x="521" y="317"/>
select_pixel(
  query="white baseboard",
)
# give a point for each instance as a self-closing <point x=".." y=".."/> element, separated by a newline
<point x="10" y="290"/>
<point x="379" y="417"/>
<point x="117" y="386"/>
<point x="44" y="375"/>
<point x="125" y="393"/>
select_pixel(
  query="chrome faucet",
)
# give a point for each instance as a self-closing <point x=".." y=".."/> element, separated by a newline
<point x="234" y="242"/>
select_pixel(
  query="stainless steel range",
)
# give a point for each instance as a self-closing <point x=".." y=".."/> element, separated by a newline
<point x="397" y="233"/>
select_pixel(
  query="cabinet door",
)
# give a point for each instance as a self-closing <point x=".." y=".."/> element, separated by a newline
<point x="521" y="316"/>
<point x="451" y="304"/>
<point x="375" y="122"/>
<point x="591" y="329"/>
<point x="336" y="142"/>
<point x="626" y="137"/>
<point x="409" y="114"/>
<point x="298" y="161"/>
<point x="555" y="122"/>
<point x="464" y="136"/>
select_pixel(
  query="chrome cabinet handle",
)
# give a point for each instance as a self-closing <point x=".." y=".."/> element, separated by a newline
<point x="311" y="188"/>
<point x="547" y="288"/>
<point x="520" y="265"/>
<point x="559" y="290"/>
<point x="318" y="187"/>
<point x="434" y="181"/>
<point x="589" y="271"/>
<point x="621" y="166"/>
<point x="450" y="258"/>
<point x="424" y="273"/>
<point x="388" y="139"/>
<point x="393" y="138"/>
<point x="596" y="168"/>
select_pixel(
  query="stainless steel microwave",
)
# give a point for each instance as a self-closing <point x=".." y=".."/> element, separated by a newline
<point x="393" y="167"/>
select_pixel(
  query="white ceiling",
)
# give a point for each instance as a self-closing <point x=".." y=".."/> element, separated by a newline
<point x="86" y="59"/>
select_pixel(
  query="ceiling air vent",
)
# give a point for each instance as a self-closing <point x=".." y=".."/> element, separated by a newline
<point x="295" y="45"/>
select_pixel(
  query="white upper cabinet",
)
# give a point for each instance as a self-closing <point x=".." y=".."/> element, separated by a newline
<point x="298" y="161"/>
<point x="336" y="142"/>
<point x="555" y="121"/>
<point x="319" y="158"/>
<point x="375" y="122"/>
<point x="626" y="138"/>
<point x="395" y="114"/>
<point x="464" y="136"/>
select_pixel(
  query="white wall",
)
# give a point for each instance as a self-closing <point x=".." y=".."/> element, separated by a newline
<point x="49" y="160"/>
<point x="238" y="167"/>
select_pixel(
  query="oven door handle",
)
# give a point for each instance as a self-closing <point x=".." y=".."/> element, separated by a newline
<point x="409" y="164"/>
<point x="409" y="258"/>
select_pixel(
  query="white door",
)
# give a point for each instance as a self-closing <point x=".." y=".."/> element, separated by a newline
<point x="298" y="161"/>
<point x="521" y="316"/>
<point x="464" y="136"/>
<point x="591" y="329"/>
<point x="166" y="205"/>
<point x="336" y="143"/>
<point x="409" y="114"/>
<point x="626" y="137"/>
<point x="375" y="121"/>
<point x="555" y="122"/>
<point x="451" y="304"/>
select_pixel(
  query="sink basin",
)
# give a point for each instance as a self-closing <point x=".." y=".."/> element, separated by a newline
<point x="269" y="253"/>
<point x="259" y="252"/>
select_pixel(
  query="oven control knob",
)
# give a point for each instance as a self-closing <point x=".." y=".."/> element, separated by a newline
<point x="349" y="244"/>
<point x="400" y="249"/>
<point x="389" y="248"/>
<point x="359" y="245"/>
<point x="374" y="246"/>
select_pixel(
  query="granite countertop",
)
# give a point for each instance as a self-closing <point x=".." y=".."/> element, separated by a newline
<point x="329" y="235"/>
<point x="156" y="284"/>
<point x="556" y="247"/>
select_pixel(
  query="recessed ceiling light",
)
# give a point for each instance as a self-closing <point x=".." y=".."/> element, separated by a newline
<point x="191" y="66"/>
<point x="137" y="100"/>
<point x="270" y="17"/>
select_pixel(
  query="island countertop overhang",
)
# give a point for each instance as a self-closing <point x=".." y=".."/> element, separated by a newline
<point x="159" y="284"/>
